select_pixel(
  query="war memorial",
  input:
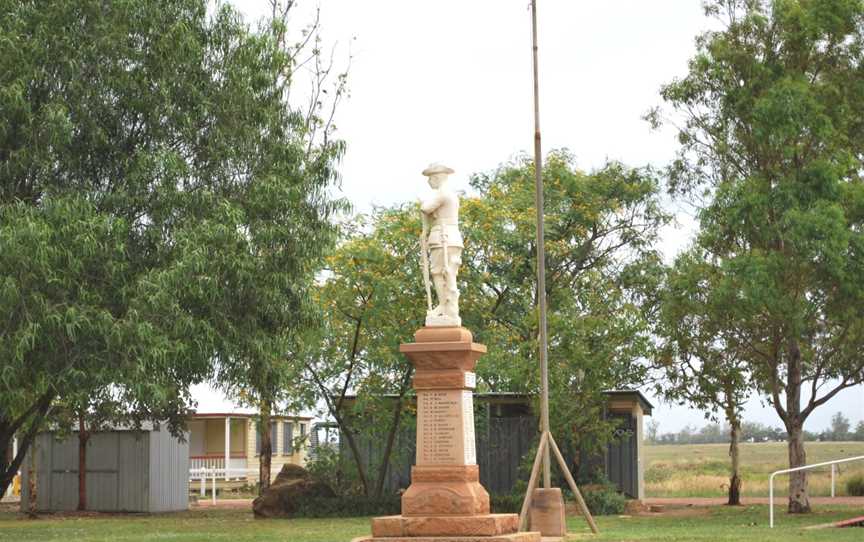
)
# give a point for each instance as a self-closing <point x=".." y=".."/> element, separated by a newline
<point x="445" y="500"/>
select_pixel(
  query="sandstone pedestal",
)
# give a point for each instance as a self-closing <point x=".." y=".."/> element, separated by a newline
<point x="445" y="501"/>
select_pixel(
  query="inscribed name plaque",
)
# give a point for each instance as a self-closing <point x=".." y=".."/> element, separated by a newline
<point x="445" y="428"/>
<point x="468" y="446"/>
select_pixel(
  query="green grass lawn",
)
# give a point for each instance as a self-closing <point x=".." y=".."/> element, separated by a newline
<point x="715" y="524"/>
<point x="702" y="470"/>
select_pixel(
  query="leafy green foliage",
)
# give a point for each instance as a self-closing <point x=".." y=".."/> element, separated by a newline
<point x="602" y="272"/>
<point x="771" y="135"/>
<point x="697" y="357"/>
<point x="349" y="507"/>
<point x="172" y="206"/>
<point x="602" y="500"/>
<point x="369" y="304"/>
<point x="605" y="501"/>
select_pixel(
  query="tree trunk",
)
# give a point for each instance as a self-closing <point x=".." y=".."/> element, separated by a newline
<point x="799" y="501"/>
<point x="83" y="437"/>
<point x="33" y="417"/>
<point x="391" y="436"/>
<point x="266" y="449"/>
<point x="345" y="432"/>
<point x="735" y="474"/>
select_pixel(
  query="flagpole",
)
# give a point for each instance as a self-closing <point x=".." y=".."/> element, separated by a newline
<point x="546" y="441"/>
<point x="541" y="256"/>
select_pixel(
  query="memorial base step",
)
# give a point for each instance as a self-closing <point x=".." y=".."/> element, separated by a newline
<point x="513" y="537"/>
<point x="414" y="526"/>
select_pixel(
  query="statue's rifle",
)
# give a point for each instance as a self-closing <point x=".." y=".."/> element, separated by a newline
<point x="424" y="259"/>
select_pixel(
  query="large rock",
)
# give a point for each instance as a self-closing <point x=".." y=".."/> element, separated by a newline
<point x="291" y="486"/>
<point x="291" y="472"/>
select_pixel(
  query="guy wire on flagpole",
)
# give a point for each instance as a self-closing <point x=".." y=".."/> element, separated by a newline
<point x="546" y="441"/>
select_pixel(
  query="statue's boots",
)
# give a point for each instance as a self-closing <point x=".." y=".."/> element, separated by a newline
<point x="451" y="306"/>
<point x="441" y="293"/>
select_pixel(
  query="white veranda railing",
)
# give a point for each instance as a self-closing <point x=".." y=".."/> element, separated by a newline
<point x="212" y="474"/>
<point x="805" y="467"/>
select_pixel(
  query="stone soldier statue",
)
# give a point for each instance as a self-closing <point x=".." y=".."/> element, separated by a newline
<point x="440" y="214"/>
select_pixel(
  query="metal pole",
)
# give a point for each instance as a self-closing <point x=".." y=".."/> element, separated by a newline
<point x="797" y="469"/>
<point x="213" y="489"/>
<point x="541" y="255"/>
<point x="833" y="476"/>
<point x="771" y="501"/>
<point x="227" y="445"/>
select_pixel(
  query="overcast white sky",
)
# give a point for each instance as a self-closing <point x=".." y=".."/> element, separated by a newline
<point x="450" y="81"/>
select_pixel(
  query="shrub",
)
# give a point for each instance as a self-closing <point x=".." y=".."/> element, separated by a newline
<point x="329" y="468"/>
<point x="855" y="486"/>
<point x="506" y="504"/>
<point x="604" y="501"/>
<point x="347" y="507"/>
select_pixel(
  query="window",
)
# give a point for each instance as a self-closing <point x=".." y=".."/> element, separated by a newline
<point x="287" y="438"/>
<point x="273" y="441"/>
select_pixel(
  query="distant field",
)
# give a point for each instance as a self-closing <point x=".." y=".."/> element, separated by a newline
<point x="701" y="470"/>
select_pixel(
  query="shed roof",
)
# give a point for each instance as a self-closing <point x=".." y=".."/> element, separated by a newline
<point x="509" y="396"/>
<point x="636" y="395"/>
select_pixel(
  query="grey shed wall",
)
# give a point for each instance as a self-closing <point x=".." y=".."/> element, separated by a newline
<point x="169" y="472"/>
<point x="127" y="471"/>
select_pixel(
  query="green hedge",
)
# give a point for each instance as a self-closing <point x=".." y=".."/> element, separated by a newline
<point x="348" y="507"/>
<point x="605" y="501"/>
<point x="601" y="501"/>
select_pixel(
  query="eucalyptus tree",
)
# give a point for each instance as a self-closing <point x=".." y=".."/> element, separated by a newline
<point x="283" y="227"/>
<point x="771" y="136"/>
<point x="699" y="363"/>
<point x="168" y="201"/>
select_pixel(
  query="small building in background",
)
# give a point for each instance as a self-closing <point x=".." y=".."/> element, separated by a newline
<point x="623" y="460"/>
<point x="506" y="430"/>
<point x="127" y="471"/>
<point x="233" y="439"/>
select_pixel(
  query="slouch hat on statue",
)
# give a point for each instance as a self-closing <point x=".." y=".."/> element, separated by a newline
<point x="435" y="168"/>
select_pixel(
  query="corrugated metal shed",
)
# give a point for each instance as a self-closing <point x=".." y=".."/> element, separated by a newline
<point x="127" y="471"/>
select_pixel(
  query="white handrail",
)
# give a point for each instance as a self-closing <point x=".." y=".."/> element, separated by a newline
<point x="796" y="469"/>
<point x="204" y="473"/>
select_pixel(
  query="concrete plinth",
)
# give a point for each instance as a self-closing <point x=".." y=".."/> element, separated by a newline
<point x="445" y="501"/>
<point x="513" y="537"/>
<point x="480" y="525"/>
<point x="547" y="512"/>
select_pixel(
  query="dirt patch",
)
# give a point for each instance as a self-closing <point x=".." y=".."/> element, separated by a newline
<point x="9" y="507"/>
<point x="224" y="503"/>
<point x="721" y="501"/>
